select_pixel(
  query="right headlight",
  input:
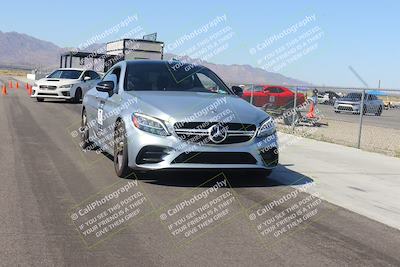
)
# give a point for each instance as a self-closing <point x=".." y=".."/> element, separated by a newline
<point x="267" y="128"/>
<point x="66" y="86"/>
<point x="149" y="124"/>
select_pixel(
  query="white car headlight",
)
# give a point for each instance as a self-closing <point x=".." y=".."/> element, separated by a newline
<point x="267" y="128"/>
<point x="35" y="85"/>
<point x="66" y="86"/>
<point x="149" y="124"/>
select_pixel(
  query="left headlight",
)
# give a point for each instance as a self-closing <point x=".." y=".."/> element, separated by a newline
<point x="267" y="128"/>
<point x="149" y="124"/>
<point x="66" y="86"/>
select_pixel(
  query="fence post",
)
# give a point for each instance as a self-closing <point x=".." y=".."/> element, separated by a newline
<point x="361" y="119"/>
<point x="252" y="93"/>
<point x="294" y="110"/>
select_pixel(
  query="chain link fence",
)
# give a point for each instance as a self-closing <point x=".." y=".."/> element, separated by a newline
<point x="365" y="118"/>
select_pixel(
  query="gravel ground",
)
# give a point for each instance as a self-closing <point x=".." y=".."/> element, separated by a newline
<point x="375" y="139"/>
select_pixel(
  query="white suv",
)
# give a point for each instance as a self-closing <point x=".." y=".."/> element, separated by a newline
<point x="70" y="84"/>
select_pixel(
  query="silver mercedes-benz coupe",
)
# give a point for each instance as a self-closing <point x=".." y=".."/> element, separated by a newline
<point x="152" y="115"/>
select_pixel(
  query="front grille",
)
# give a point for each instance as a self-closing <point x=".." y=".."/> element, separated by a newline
<point x="215" y="158"/>
<point x="197" y="132"/>
<point x="345" y="108"/>
<point x="48" y="87"/>
<point x="151" y="154"/>
<point x="50" y="94"/>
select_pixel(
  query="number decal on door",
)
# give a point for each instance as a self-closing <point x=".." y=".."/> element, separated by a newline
<point x="100" y="112"/>
<point x="100" y="116"/>
<point x="271" y="98"/>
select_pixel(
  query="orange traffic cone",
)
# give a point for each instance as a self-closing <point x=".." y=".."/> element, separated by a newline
<point x="30" y="90"/>
<point x="27" y="86"/>
<point x="311" y="112"/>
<point x="17" y="85"/>
<point x="4" y="91"/>
<point x="10" y="84"/>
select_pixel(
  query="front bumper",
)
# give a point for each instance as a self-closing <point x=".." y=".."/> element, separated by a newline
<point x="347" y="108"/>
<point x="59" y="93"/>
<point x="174" y="153"/>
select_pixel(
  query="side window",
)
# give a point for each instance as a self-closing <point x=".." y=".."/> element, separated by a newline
<point x="275" y="90"/>
<point x="86" y="74"/>
<point x="207" y="83"/>
<point x="93" y="75"/>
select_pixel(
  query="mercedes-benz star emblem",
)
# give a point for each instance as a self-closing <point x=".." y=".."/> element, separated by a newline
<point x="217" y="133"/>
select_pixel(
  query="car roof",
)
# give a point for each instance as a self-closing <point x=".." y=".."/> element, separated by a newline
<point x="78" y="69"/>
<point x="157" y="62"/>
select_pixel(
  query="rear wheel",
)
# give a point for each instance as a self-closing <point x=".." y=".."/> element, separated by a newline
<point x="39" y="99"/>
<point x="121" y="150"/>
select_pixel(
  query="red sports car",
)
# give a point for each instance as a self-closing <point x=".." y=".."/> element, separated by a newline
<point x="270" y="96"/>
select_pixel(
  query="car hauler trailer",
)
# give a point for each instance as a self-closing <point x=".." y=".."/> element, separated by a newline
<point x="130" y="49"/>
<point x="123" y="49"/>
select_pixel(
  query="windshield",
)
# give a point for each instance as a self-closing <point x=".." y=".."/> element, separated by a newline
<point x="356" y="96"/>
<point x="258" y="88"/>
<point x="166" y="76"/>
<point x="66" y="74"/>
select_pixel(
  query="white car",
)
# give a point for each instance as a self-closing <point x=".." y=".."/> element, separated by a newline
<point x="69" y="84"/>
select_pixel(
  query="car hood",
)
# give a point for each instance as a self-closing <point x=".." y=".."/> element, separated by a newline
<point x="195" y="106"/>
<point x="56" y="81"/>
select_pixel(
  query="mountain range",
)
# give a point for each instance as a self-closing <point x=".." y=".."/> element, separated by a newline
<point x="18" y="50"/>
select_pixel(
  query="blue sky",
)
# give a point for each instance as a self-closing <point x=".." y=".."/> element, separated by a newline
<point x="363" y="34"/>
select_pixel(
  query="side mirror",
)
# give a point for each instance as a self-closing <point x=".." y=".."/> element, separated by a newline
<point x="237" y="91"/>
<point x="87" y="78"/>
<point x="106" y="86"/>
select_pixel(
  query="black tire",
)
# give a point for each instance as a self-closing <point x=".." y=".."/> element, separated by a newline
<point x="121" y="151"/>
<point x="78" y="95"/>
<point x="379" y="111"/>
<point x="85" y="141"/>
<point x="39" y="99"/>
<point x="337" y="111"/>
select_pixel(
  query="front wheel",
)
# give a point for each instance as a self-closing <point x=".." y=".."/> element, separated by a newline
<point x="121" y="150"/>
<point x="379" y="112"/>
<point x="78" y="96"/>
<point x="39" y="99"/>
<point x="84" y="131"/>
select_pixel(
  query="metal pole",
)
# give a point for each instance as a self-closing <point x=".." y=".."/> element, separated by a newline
<point x="294" y="109"/>
<point x="361" y="119"/>
<point x="252" y="93"/>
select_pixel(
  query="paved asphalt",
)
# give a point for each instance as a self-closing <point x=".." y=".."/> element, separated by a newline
<point x="43" y="174"/>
